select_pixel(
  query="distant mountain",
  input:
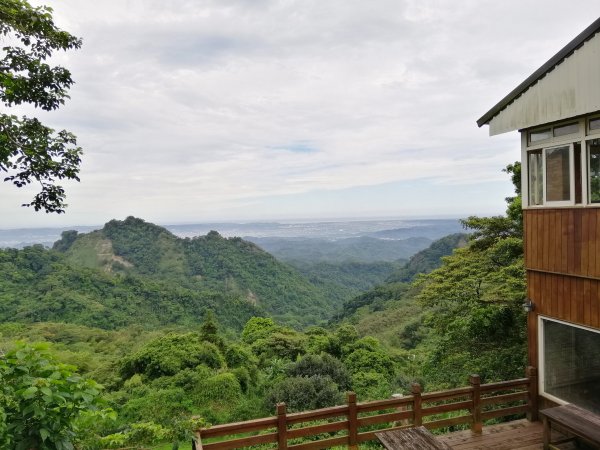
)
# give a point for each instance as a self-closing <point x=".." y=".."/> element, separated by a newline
<point x="132" y="271"/>
<point x="231" y="265"/>
<point x="360" y="249"/>
<point x="432" y="229"/>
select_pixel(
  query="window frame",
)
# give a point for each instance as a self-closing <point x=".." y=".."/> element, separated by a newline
<point x="580" y="137"/>
<point x="546" y="203"/>
<point x="542" y="351"/>
<point x="588" y="171"/>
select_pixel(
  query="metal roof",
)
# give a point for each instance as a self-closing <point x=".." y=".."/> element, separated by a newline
<point x="565" y="52"/>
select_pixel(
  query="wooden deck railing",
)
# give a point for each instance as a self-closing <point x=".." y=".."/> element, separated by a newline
<point x="353" y="423"/>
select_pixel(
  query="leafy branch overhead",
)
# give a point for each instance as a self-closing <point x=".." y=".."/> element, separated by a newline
<point x="29" y="151"/>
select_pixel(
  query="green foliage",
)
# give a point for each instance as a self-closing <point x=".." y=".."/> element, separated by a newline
<point x="324" y="365"/>
<point x="42" y="399"/>
<point x="303" y="393"/>
<point x="41" y="285"/>
<point x="371" y="385"/>
<point x="429" y="259"/>
<point x="171" y="353"/>
<point x="66" y="240"/>
<point x="30" y="151"/>
<point x="363" y="360"/>
<point x="257" y="328"/>
<point x="474" y="301"/>
<point x="282" y="343"/>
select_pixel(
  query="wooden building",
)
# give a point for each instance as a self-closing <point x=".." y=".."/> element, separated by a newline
<point x="557" y="113"/>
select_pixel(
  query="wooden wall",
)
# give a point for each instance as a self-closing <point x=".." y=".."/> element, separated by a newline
<point x="563" y="241"/>
<point x="562" y="258"/>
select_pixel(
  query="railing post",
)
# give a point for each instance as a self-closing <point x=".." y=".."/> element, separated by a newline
<point x="415" y="389"/>
<point x="477" y="425"/>
<point x="532" y="375"/>
<point x="281" y="426"/>
<point x="197" y="443"/>
<point x="352" y="422"/>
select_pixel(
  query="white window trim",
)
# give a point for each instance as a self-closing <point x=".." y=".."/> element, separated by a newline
<point x="541" y="352"/>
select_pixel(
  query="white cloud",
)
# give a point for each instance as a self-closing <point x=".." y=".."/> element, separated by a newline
<point x="194" y="103"/>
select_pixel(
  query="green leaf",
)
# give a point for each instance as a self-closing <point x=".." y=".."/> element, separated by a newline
<point x="46" y="391"/>
<point x="30" y="392"/>
<point x="44" y="434"/>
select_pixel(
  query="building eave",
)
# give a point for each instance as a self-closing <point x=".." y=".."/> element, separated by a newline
<point x="565" y="52"/>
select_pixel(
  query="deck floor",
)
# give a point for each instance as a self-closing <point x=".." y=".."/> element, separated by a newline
<point x="515" y="435"/>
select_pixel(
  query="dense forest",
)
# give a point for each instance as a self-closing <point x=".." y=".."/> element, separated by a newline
<point x="155" y="335"/>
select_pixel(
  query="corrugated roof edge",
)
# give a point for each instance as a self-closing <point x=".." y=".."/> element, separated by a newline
<point x="585" y="35"/>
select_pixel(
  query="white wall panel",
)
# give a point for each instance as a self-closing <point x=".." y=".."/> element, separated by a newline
<point x="571" y="89"/>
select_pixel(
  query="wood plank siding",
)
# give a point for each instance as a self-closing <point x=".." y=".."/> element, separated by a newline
<point x="563" y="241"/>
<point x="562" y="258"/>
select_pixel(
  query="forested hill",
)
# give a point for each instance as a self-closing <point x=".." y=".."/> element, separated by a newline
<point x="361" y="307"/>
<point x="132" y="271"/>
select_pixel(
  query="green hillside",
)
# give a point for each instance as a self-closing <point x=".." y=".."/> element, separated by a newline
<point x="235" y="269"/>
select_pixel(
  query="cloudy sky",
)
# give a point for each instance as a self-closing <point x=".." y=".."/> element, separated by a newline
<point x="199" y="110"/>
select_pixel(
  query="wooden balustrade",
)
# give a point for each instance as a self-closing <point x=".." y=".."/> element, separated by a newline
<point x="353" y="423"/>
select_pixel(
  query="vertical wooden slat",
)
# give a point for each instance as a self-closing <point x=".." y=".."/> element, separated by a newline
<point x="587" y="306"/>
<point x="477" y="425"/>
<point x="352" y="422"/>
<point x="593" y="237"/>
<point x="549" y="244"/>
<point x="577" y="241"/>
<point x="554" y="295"/>
<point x="535" y="236"/>
<point x="579" y="300"/>
<point x="571" y="241"/>
<point x="415" y="389"/>
<point x="557" y="231"/>
<point x="595" y="319"/>
<point x="597" y="271"/>
<point x="585" y="238"/>
<point x="281" y="426"/>
<point x="564" y="238"/>
<point x="527" y="239"/>
<point x="545" y="247"/>
<point x="560" y="293"/>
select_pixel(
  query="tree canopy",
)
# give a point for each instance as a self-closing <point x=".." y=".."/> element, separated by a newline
<point x="30" y="151"/>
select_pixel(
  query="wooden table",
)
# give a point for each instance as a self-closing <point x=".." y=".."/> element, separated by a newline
<point x="417" y="438"/>
<point x="573" y="419"/>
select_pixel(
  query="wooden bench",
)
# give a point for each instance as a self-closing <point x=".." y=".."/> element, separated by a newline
<point x="417" y="438"/>
<point x="574" y="420"/>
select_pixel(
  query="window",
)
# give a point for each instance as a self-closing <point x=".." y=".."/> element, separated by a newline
<point x="570" y="362"/>
<point x="558" y="174"/>
<point x="540" y="135"/>
<point x="551" y="176"/>
<point x="536" y="178"/>
<point x="563" y="130"/>
<point x="594" y="170"/>
<point x="594" y="124"/>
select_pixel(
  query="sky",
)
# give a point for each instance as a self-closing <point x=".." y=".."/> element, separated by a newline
<point x="195" y="111"/>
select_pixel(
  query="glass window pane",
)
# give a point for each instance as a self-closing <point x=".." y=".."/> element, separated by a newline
<point x="595" y="124"/>
<point x="572" y="364"/>
<point x="558" y="176"/>
<point x="536" y="178"/>
<point x="540" y="135"/>
<point x="594" y="170"/>
<point x="566" y="129"/>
